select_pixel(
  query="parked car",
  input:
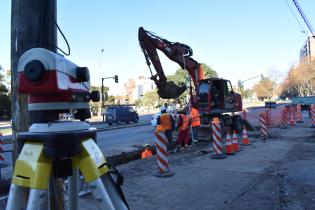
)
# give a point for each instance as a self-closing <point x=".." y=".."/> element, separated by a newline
<point x="120" y="114"/>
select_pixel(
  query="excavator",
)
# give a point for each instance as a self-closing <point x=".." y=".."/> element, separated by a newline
<point x="214" y="97"/>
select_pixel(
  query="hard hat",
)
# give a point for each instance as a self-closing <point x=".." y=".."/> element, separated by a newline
<point x="147" y="145"/>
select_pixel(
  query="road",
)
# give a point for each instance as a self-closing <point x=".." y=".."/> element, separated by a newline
<point x="95" y="122"/>
<point x="123" y="140"/>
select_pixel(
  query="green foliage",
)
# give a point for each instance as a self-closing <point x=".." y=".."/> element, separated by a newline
<point x="181" y="77"/>
<point x="111" y="99"/>
<point x="247" y="93"/>
<point x="5" y="106"/>
<point x="209" y="72"/>
<point x="5" y="99"/>
<point x="264" y="89"/>
<point x="150" y="99"/>
<point x="3" y="88"/>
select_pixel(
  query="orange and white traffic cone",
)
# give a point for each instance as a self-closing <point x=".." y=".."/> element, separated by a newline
<point x="229" y="150"/>
<point x="245" y="141"/>
<point x="236" y="148"/>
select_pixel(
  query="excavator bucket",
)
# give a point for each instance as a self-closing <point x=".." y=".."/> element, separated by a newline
<point x="170" y="90"/>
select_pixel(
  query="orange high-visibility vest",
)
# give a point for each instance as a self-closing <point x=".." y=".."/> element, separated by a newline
<point x="146" y="154"/>
<point x="185" y="122"/>
<point x="166" y="122"/>
<point x="195" y="119"/>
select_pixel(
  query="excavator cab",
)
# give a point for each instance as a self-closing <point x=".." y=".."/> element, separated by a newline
<point x="216" y="96"/>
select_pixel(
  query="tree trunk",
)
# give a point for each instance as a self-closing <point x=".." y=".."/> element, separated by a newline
<point x="32" y="26"/>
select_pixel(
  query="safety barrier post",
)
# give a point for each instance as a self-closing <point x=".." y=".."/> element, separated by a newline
<point x="268" y="117"/>
<point x="313" y="115"/>
<point x="263" y="125"/>
<point x="292" y="117"/>
<point x="284" y="120"/>
<point x="161" y="151"/>
<point x="217" y="142"/>
<point x="299" y="114"/>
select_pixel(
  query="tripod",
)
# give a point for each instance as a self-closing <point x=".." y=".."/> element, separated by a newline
<point x="50" y="153"/>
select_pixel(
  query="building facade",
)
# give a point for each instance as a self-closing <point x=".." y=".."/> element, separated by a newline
<point x="307" y="52"/>
<point x="136" y="88"/>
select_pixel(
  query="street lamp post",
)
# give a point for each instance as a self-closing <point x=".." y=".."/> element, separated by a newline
<point x="100" y="73"/>
<point x="115" y="77"/>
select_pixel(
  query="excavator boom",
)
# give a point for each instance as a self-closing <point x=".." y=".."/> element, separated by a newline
<point x="175" y="51"/>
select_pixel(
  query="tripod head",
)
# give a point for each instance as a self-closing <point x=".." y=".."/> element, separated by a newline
<point x="54" y="85"/>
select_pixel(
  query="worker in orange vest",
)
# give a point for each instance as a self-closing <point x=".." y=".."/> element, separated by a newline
<point x="195" y="122"/>
<point x="147" y="152"/>
<point x="183" y="129"/>
<point x="168" y="124"/>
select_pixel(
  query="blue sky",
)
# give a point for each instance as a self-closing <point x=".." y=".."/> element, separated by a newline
<point x="239" y="39"/>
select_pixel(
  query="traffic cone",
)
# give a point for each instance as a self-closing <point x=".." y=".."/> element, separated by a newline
<point x="236" y="148"/>
<point x="229" y="150"/>
<point x="245" y="141"/>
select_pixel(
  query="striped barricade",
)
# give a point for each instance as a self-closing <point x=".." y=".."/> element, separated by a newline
<point x="161" y="151"/>
<point x="263" y="125"/>
<point x="217" y="141"/>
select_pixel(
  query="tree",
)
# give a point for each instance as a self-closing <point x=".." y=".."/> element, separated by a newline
<point x="209" y="72"/>
<point x="5" y="99"/>
<point x="299" y="81"/>
<point x="111" y="99"/>
<point x="150" y="99"/>
<point x="181" y="77"/>
<point x="264" y="89"/>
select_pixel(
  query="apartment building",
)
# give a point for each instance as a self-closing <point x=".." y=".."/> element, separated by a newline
<point x="307" y="52"/>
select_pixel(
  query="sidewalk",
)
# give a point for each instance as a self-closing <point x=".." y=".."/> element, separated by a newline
<point x="278" y="174"/>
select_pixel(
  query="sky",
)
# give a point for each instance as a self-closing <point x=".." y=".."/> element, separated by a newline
<point x="238" y="39"/>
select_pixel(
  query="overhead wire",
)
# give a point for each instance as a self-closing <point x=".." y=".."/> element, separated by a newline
<point x="42" y="23"/>
<point x="297" y="20"/>
<point x="304" y="17"/>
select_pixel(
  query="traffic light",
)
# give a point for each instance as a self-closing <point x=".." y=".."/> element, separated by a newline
<point x="116" y="78"/>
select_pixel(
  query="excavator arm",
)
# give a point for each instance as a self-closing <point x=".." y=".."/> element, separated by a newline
<point x="175" y="51"/>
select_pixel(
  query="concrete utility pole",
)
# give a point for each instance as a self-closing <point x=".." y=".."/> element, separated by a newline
<point x="32" y="25"/>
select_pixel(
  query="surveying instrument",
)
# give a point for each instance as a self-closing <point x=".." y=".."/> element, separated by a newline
<point x="54" y="152"/>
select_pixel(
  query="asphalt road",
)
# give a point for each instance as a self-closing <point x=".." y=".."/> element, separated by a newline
<point x="123" y="140"/>
<point x="95" y="122"/>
